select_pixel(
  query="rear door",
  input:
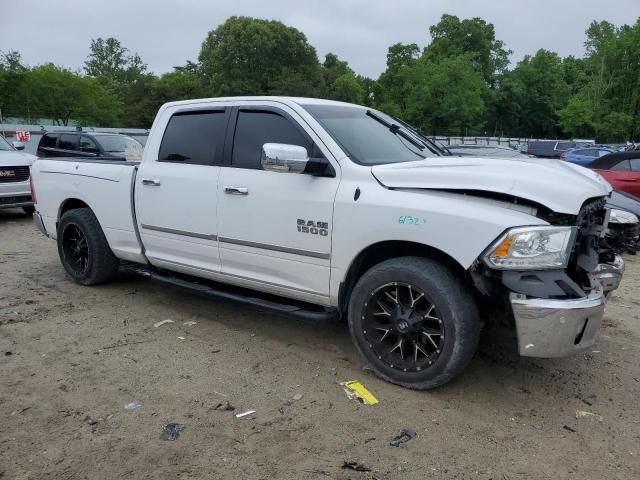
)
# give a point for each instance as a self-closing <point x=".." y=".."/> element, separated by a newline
<point x="275" y="228"/>
<point x="177" y="189"/>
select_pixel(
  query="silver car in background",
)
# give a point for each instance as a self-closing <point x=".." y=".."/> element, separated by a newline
<point x="15" y="191"/>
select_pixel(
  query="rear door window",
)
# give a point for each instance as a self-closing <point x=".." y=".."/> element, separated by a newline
<point x="68" y="142"/>
<point x="254" y="128"/>
<point x="49" y="141"/>
<point x="194" y="137"/>
<point x="635" y="164"/>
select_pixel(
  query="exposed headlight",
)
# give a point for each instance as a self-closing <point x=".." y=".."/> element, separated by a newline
<point x="532" y="248"/>
<point x="621" y="216"/>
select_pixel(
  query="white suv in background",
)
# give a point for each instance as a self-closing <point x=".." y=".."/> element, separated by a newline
<point x="14" y="178"/>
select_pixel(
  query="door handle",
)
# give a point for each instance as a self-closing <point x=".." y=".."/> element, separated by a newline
<point x="236" y="190"/>
<point x="151" y="182"/>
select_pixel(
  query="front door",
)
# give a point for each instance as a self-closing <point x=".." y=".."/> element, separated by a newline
<point x="275" y="228"/>
<point x="176" y="193"/>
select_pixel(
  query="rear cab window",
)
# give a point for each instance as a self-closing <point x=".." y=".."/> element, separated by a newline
<point x="195" y="137"/>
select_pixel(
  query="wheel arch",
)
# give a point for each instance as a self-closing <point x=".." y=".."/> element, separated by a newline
<point x="71" y="204"/>
<point x="386" y="250"/>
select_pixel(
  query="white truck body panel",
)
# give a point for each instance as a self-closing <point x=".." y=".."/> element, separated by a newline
<point x="553" y="184"/>
<point x="252" y="240"/>
<point x="105" y="188"/>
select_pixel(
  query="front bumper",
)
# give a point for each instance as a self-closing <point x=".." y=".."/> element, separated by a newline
<point x="551" y="328"/>
<point x="14" y="195"/>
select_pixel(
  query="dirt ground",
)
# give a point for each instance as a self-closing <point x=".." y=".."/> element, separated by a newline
<point x="69" y="352"/>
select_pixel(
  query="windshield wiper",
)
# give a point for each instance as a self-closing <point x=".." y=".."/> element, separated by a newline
<point x="430" y="144"/>
<point x="396" y="130"/>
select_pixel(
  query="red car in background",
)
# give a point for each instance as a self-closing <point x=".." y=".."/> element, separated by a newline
<point x="621" y="170"/>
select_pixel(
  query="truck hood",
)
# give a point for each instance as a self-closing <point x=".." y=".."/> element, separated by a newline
<point x="15" y="159"/>
<point x="560" y="186"/>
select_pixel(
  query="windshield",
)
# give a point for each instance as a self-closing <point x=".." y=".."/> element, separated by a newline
<point x="4" y="145"/>
<point x="117" y="143"/>
<point x="369" y="137"/>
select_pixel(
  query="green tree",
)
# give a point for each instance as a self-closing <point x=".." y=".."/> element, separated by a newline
<point x="63" y="95"/>
<point x="247" y="56"/>
<point x="474" y="37"/>
<point x="613" y="64"/>
<point x="340" y="80"/>
<point x="13" y="91"/>
<point x="150" y="92"/>
<point x="577" y="117"/>
<point x="538" y="90"/>
<point x="446" y="97"/>
<point x="390" y="91"/>
<point x="111" y="63"/>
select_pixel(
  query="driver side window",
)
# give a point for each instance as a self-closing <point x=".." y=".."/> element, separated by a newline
<point x="254" y="128"/>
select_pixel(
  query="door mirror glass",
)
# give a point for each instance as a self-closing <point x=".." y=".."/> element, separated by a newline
<point x="283" y="158"/>
<point x="18" y="145"/>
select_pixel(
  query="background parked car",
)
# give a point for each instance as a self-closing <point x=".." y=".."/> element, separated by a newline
<point x="493" y="151"/>
<point x="624" y="230"/>
<point x="549" y="148"/>
<point x="621" y="170"/>
<point x="108" y="146"/>
<point x="15" y="191"/>
<point x="583" y="156"/>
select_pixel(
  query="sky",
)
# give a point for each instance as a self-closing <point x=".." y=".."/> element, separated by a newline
<point x="167" y="34"/>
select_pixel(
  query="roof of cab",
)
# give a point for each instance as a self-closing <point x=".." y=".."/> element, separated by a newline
<point x="283" y="99"/>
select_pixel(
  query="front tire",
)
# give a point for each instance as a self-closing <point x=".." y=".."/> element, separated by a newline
<point x="414" y="321"/>
<point x="84" y="251"/>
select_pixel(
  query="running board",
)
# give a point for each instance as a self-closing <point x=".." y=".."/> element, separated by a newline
<point x="208" y="291"/>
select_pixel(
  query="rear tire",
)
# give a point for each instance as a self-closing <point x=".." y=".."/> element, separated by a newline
<point x="29" y="210"/>
<point x="414" y="321"/>
<point x="84" y="251"/>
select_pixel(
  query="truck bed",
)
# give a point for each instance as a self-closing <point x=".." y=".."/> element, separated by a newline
<point x="111" y="187"/>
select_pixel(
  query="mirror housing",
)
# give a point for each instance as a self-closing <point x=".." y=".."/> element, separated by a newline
<point x="283" y="158"/>
<point x="18" y="145"/>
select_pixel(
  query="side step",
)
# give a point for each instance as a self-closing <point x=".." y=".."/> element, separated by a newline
<point x="203" y="290"/>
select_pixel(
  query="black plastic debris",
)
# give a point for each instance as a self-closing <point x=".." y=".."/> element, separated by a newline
<point x="357" y="466"/>
<point x="319" y="471"/>
<point x="171" y="431"/>
<point x="227" y="407"/>
<point x="405" y="436"/>
<point x="569" y="429"/>
<point x="89" y="420"/>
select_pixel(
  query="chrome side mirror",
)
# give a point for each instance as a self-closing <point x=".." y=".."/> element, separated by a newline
<point x="18" y="145"/>
<point x="283" y="158"/>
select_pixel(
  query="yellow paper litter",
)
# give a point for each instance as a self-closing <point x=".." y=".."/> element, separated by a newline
<point x="356" y="391"/>
<point x="585" y="414"/>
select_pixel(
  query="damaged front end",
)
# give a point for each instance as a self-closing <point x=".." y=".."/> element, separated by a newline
<point x="557" y="311"/>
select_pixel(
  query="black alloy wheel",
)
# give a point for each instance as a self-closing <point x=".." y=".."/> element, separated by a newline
<point x="75" y="249"/>
<point x="403" y="327"/>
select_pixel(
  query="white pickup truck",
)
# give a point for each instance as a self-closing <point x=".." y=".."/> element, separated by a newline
<point x="322" y="209"/>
